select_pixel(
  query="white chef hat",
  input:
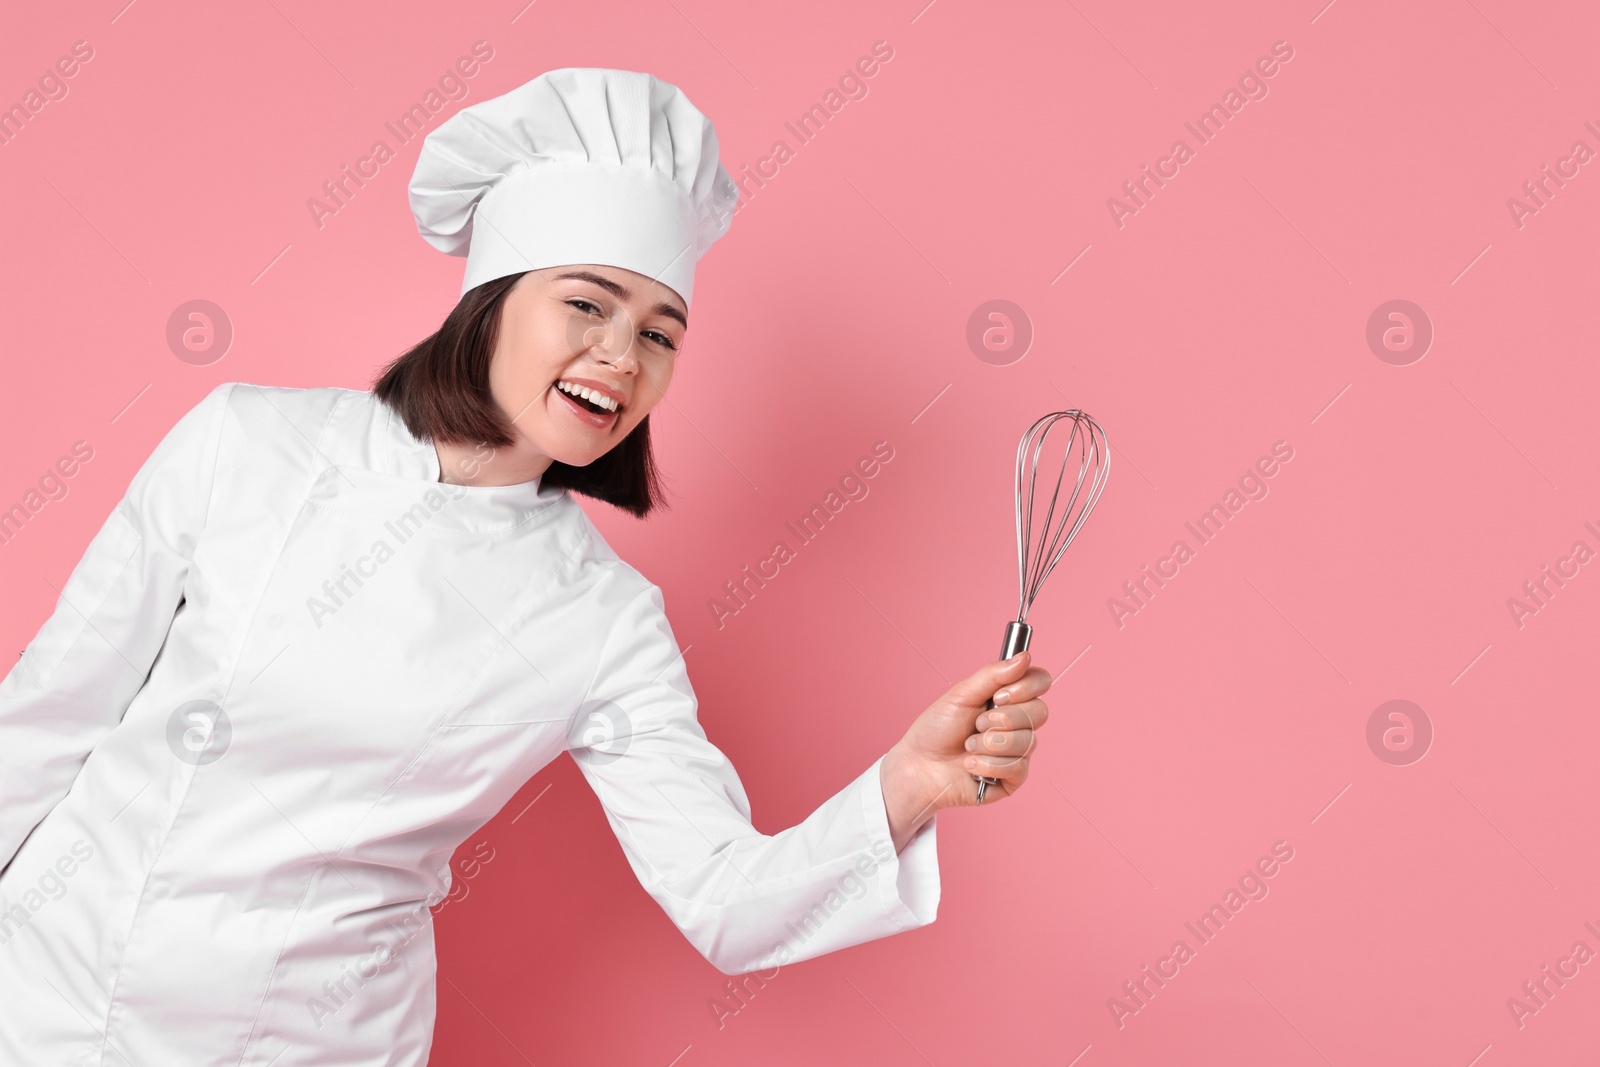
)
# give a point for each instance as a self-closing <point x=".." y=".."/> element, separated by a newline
<point x="579" y="165"/>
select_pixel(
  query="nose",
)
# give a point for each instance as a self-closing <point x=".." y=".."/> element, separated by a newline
<point x="613" y="343"/>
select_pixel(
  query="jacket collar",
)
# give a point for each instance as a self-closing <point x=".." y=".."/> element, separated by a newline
<point x="398" y="455"/>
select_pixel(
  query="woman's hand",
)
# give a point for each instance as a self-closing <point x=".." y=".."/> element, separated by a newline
<point x="932" y="766"/>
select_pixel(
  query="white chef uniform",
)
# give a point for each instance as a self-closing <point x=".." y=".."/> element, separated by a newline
<point x="393" y="657"/>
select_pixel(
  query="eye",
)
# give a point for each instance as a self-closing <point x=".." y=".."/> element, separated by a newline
<point x="589" y="307"/>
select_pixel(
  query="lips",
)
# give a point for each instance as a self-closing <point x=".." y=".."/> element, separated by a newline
<point x="599" y="420"/>
<point x="590" y="393"/>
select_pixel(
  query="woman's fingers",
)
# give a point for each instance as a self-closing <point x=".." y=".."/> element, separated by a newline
<point x="1013" y="770"/>
<point x="1001" y="743"/>
<point x="1032" y="684"/>
<point x="1030" y="714"/>
<point x="980" y="686"/>
<point x="1006" y="737"/>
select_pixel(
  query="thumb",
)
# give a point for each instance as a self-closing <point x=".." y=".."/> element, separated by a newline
<point x="976" y="689"/>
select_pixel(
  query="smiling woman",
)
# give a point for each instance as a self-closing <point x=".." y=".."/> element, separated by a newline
<point x="562" y="366"/>
<point x="380" y="730"/>
<point x="584" y="354"/>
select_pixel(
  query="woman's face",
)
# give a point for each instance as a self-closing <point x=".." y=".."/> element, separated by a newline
<point x="589" y="327"/>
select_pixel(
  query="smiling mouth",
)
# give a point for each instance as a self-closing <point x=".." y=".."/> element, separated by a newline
<point x="588" y="399"/>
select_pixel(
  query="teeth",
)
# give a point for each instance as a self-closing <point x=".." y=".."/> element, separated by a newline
<point x="592" y="395"/>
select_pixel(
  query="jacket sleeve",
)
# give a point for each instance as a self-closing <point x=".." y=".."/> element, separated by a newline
<point x="78" y="675"/>
<point x="745" y="900"/>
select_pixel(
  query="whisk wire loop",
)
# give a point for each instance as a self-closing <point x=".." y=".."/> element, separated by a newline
<point x="1086" y="441"/>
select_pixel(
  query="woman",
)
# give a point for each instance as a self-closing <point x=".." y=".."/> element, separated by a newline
<point x="327" y="634"/>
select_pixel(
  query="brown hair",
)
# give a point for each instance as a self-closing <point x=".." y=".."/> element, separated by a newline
<point x="440" y="389"/>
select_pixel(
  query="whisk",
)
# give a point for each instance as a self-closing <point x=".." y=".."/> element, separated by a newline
<point x="1088" y="446"/>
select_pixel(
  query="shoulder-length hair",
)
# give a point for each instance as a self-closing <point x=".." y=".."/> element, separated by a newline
<point x="440" y="388"/>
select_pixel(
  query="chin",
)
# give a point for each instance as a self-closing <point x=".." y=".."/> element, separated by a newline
<point x="574" y="455"/>
<point x="574" y="461"/>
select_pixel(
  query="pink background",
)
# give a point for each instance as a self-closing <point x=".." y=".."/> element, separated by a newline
<point x="1229" y="313"/>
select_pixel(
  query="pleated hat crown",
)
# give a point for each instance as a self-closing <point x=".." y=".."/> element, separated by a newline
<point x="579" y="165"/>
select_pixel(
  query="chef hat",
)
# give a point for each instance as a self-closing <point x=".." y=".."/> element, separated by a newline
<point x="579" y="165"/>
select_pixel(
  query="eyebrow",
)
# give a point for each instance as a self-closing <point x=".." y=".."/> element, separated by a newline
<point x="622" y="292"/>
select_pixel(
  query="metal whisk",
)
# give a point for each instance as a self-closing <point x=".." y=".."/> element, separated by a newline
<point x="1090" y="451"/>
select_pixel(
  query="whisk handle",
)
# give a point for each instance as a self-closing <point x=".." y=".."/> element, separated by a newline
<point x="1018" y="634"/>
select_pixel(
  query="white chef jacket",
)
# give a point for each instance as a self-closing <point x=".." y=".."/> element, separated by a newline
<point x="393" y="657"/>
